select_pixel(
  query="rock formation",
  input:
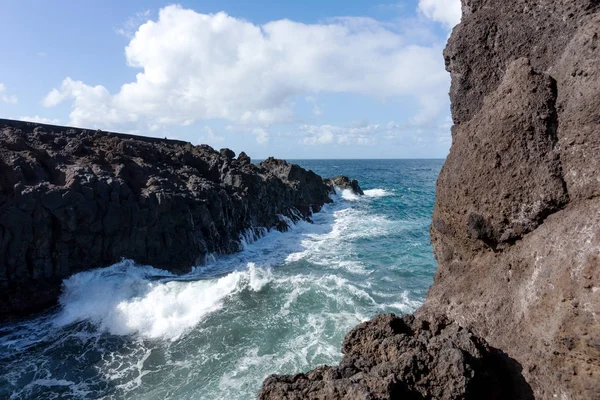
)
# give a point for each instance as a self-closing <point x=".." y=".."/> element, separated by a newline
<point x="516" y="226"/>
<point x="405" y="358"/>
<point x="73" y="200"/>
<point x="345" y="183"/>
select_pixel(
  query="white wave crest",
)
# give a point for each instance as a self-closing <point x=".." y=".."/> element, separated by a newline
<point x="406" y="304"/>
<point x="127" y="299"/>
<point x="349" y="195"/>
<point x="374" y="193"/>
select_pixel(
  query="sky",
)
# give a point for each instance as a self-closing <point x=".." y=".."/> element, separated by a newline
<point x="290" y="79"/>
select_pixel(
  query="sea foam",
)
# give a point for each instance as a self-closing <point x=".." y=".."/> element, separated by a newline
<point x="126" y="299"/>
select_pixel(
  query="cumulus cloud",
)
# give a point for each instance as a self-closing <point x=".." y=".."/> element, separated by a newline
<point x="195" y="66"/>
<point x="40" y="120"/>
<point x="131" y="25"/>
<point x="91" y="104"/>
<point x="447" y="12"/>
<point x="2" y="87"/>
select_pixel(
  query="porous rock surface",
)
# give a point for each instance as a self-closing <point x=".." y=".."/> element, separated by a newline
<point x="404" y="358"/>
<point x="73" y="200"/>
<point x="516" y="225"/>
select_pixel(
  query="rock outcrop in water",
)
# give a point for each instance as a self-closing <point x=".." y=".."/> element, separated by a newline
<point x="73" y="200"/>
<point x="345" y="183"/>
<point x="516" y="226"/>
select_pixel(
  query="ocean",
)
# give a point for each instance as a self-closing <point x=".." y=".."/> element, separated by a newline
<point x="282" y="305"/>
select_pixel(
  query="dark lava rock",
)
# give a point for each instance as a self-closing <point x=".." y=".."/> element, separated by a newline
<point x="227" y="153"/>
<point x="343" y="182"/>
<point x="73" y="200"/>
<point x="407" y="358"/>
<point x="305" y="183"/>
<point x="244" y="159"/>
<point x="516" y="225"/>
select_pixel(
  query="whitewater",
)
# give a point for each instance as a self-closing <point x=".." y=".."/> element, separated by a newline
<point x="282" y="305"/>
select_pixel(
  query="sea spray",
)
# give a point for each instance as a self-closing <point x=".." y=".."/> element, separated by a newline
<point x="282" y="305"/>
<point x="128" y="299"/>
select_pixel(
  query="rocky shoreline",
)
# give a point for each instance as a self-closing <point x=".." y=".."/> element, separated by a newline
<point x="74" y="199"/>
<point x="515" y="230"/>
<point x="514" y="309"/>
<point x="407" y="358"/>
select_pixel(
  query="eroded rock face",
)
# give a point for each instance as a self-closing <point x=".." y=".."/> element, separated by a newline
<point x="406" y="358"/>
<point x="516" y="226"/>
<point x="72" y="200"/>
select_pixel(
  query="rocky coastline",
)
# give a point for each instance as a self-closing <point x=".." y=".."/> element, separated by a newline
<point x="515" y="230"/>
<point x="514" y="309"/>
<point x="74" y="199"/>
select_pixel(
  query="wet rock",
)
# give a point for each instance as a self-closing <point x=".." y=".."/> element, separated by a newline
<point x="345" y="183"/>
<point x="72" y="200"/>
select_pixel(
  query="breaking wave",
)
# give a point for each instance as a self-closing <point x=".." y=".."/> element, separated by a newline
<point x="281" y="305"/>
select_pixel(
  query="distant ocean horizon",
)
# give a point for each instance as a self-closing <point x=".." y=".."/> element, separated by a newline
<point x="282" y="305"/>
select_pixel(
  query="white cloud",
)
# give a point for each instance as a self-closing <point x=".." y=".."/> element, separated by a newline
<point x="195" y="66"/>
<point x="92" y="105"/>
<point x="362" y="133"/>
<point x="10" y="99"/>
<point x="447" y="12"/>
<point x="41" y="120"/>
<point x="131" y="25"/>
<point x="262" y="136"/>
<point x="209" y="137"/>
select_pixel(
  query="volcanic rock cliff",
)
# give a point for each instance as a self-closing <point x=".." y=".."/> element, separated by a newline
<point x="73" y="200"/>
<point x="516" y="226"/>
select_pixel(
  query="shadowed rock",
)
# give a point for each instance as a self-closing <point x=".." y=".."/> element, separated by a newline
<point x="73" y="200"/>
<point x="343" y="182"/>
<point x="516" y="224"/>
<point x="407" y="358"/>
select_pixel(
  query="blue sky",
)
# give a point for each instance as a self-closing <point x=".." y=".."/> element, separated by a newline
<point x="310" y="79"/>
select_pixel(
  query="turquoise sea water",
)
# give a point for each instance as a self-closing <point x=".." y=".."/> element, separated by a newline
<point x="283" y="305"/>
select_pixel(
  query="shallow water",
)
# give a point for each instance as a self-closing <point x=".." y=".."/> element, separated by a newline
<point x="283" y="305"/>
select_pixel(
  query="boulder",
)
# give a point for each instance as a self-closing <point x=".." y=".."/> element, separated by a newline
<point x="344" y="183"/>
